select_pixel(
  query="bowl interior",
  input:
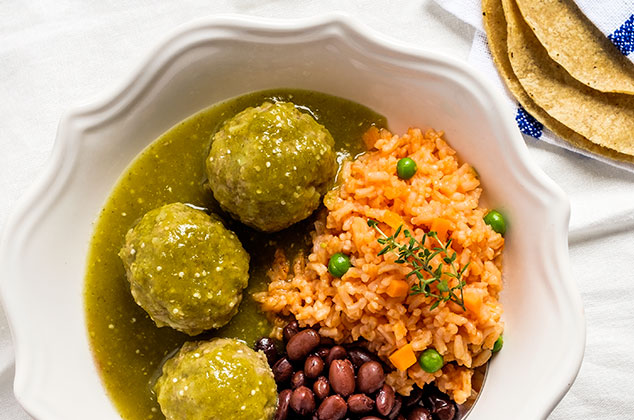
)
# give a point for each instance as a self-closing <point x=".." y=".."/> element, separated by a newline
<point x="212" y="61"/>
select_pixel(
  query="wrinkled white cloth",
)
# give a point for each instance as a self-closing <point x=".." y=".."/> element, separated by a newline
<point x="614" y="18"/>
<point x="56" y="54"/>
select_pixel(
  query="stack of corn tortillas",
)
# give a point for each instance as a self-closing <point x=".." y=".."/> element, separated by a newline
<point x="564" y="72"/>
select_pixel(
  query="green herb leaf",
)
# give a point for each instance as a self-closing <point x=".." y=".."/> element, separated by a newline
<point x="419" y="257"/>
<point x="443" y="286"/>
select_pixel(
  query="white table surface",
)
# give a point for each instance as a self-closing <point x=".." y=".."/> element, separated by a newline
<point x="55" y="54"/>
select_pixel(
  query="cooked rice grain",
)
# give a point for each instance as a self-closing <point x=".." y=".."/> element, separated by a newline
<point x="357" y="306"/>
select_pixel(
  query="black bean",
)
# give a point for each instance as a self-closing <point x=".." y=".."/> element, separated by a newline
<point x="370" y="377"/>
<point x="282" y="370"/>
<point x="321" y="387"/>
<point x="336" y="353"/>
<point x="290" y="330"/>
<point x="413" y="398"/>
<point x="283" y="401"/>
<point x="359" y="356"/>
<point x="332" y="408"/>
<point x="360" y="404"/>
<point x="267" y="346"/>
<point x="441" y="406"/>
<point x="302" y="401"/>
<point x="396" y="410"/>
<point x="313" y="366"/>
<point x="301" y="344"/>
<point x="385" y="400"/>
<point x="322" y="352"/>
<point x="298" y="379"/>
<point x="341" y="377"/>
<point x="419" y="413"/>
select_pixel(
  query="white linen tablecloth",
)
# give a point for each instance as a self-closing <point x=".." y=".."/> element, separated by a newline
<point x="56" y="54"/>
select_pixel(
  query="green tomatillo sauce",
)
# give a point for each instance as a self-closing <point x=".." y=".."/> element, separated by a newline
<point x="128" y="348"/>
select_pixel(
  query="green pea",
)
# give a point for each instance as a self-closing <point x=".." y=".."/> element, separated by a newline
<point x="496" y="221"/>
<point x="339" y="264"/>
<point x="406" y="168"/>
<point x="431" y="361"/>
<point x="498" y="344"/>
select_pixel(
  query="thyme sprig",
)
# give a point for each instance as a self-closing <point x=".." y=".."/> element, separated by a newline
<point x="415" y="253"/>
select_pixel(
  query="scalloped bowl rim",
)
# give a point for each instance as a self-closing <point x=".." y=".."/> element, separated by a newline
<point x="41" y="195"/>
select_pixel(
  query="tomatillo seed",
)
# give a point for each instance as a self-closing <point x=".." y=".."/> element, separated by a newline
<point x="431" y="361"/>
<point x="496" y="221"/>
<point x="339" y="264"/>
<point x="406" y="168"/>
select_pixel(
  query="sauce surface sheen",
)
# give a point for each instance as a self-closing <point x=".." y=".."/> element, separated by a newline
<point x="127" y="346"/>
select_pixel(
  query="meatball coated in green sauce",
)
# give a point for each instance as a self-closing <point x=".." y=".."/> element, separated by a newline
<point x="220" y="379"/>
<point x="127" y="347"/>
<point x="269" y="166"/>
<point x="185" y="268"/>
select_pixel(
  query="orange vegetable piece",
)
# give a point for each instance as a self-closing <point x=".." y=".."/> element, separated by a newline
<point x="392" y="219"/>
<point x="403" y="358"/>
<point x="397" y="288"/>
<point x="391" y="193"/>
<point x="370" y="137"/>
<point x="472" y="300"/>
<point x="441" y="226"/>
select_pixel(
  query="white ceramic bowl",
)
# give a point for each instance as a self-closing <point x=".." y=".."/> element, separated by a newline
<point x="44" y="247"/>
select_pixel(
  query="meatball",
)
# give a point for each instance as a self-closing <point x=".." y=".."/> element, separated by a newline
<point x="185" y="268"/>
<point x="269" y="166"/>
<point x="217" y="380"/>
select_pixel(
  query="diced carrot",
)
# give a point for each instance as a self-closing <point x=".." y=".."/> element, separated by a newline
<point x="441" y="226"/>
<point x="390" y="192"/>
<point x="403" y="358"/>
<point x="397" y="288"/>
<point x="472" y="300"/>
<point x="392" y="219"/>
<point x="370" y="137"/>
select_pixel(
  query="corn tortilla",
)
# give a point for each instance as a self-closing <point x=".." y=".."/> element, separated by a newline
<point x="573" y="41"/>
<point x="603" y="118"/>
<point x="495" y="26"/>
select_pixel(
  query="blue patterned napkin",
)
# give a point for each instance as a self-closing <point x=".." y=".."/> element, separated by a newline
<point x="615" y="18"/>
